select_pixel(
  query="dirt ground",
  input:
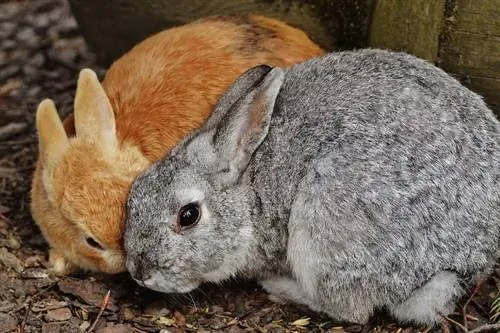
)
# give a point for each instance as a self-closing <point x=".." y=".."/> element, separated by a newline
<point x="41" y="53"/>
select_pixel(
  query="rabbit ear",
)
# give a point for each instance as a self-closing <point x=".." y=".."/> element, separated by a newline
<point x="52" y="137"/>
<point x="94" y="117"/>
<point x="245" y="125"/>
<point x="239" y="88"/>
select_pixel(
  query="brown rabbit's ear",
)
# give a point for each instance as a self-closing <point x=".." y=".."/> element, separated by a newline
<point x="94" y="117"/>
<point x="52" y="137"/>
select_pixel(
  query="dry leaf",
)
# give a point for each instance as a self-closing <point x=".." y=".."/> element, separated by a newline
<point x="302" y="322"/>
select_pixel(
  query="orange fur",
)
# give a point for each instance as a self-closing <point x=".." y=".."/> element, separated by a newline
<point x="164" y="87"/>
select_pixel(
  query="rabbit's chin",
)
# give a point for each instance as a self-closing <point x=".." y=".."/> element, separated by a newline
<point x="158" y="282"/>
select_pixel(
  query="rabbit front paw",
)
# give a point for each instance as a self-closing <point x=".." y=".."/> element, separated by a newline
<point x="275" y="299"/>
<point x="283" y="290"/>
<point x="59" y="265"/>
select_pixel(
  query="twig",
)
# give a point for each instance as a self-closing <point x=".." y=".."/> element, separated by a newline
<point x="464" y="308"/>
<point x="427" y="329"/>
<point x="480" y="307"/>
<point x="456" y="323"/>
<point x="445" y="326"/>
<point x="486" y="328"/>
<point x="104" y="305"/>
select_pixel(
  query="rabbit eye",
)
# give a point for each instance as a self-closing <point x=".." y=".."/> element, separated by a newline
<point x="188" y="215"/>
<point x="93" y="243"/>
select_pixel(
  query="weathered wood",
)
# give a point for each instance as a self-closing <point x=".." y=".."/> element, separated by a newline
<point x="412" y="26"/>
<point x="113" y="26"/>
<point x="470" y="46"/>
<point x="461" y="36"/>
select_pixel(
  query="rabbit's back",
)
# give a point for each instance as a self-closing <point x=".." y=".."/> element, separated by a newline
<point x="168" y="84"/>
<point x="396" y="169"/>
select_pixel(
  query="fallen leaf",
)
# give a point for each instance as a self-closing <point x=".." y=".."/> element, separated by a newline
<point x="165" y="321"/>
<point x="61" y="314"/>
<point x="47" y="304"/>
<point x="302" y="322"/>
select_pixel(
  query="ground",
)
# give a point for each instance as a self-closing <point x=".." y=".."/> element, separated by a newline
<point x="41" y="53"/>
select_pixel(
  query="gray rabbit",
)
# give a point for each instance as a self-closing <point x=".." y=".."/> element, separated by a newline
<point x="356" y="181"/>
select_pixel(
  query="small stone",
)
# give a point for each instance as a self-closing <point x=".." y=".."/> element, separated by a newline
<point x="65" y="55"/>
<point x="34" y="91"/>
<point x="8" y="72"/>
<point x="55" y="14"/>
<point x="19" y="55"/>
<point x="33" y="261"/>
<point x="7" y="29"/>
<point x="10" y="9"/>
<point x="68" y="27"/>
<point x="27" y="36"/>
<point x="6" y="132"/>
<point x="40" y="20"/>
<point x="37" y="60"/>
<point x="61" y="314"/>
<point x="6" y="306"/>
<point x="10" y="261"/>
<point x="29" y="71"/>
<point x="8" y="44"/>
<point x="7" y="323"/>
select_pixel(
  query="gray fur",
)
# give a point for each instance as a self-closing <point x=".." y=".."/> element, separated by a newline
<point x="374" y="185"/>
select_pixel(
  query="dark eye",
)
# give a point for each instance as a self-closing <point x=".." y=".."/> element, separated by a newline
<point x="188" y="215"/>
<point x="93" y="243"/>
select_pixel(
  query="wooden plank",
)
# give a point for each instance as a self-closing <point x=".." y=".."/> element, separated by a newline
<point x="410" y="26"/>
<point x="470" y="46"/>
<point x="489" y="88"/>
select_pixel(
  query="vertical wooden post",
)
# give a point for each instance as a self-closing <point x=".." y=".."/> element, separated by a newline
<point x="412" y="26"/>
<point x="470" y="46"/>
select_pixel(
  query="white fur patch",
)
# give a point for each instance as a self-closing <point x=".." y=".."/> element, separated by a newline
<point x="304" y="264"/>
<point x="427" y="303"/>
<point x="285" y="289"/>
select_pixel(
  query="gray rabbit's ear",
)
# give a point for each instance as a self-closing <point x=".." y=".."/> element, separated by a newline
<point x="245" y="125"/>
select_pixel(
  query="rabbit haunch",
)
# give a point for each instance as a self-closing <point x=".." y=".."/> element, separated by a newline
<point x="351" y="182"/>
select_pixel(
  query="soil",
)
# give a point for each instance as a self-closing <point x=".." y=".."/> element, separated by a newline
<point x="41" y="52"/>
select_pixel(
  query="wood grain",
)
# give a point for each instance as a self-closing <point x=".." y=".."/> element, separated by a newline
<point x="411" y="26"/>
<point x="470" y="46"/>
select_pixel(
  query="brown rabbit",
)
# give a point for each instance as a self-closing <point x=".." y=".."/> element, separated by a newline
<point x="150" y="98"/>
